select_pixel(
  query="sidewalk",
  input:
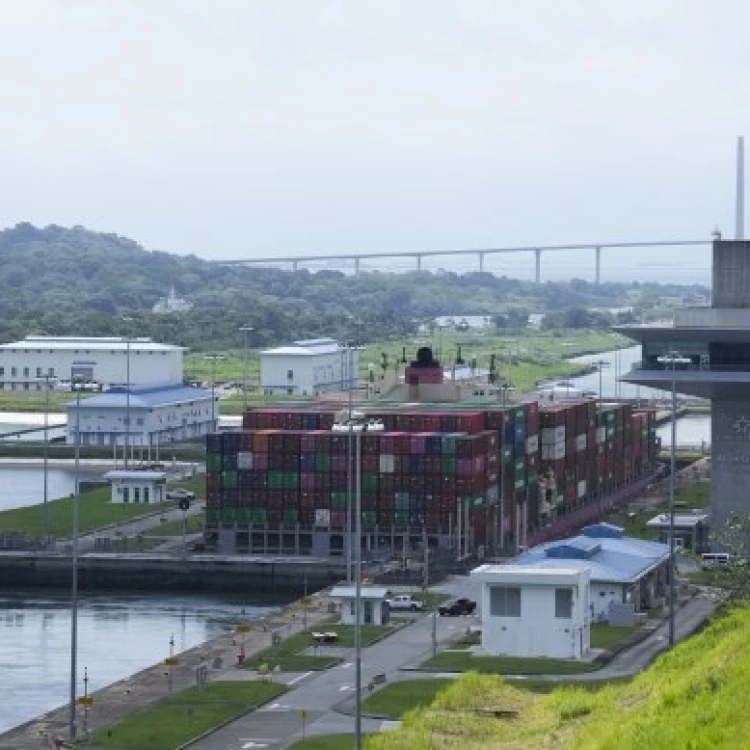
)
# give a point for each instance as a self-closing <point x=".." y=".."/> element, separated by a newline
<point x="144" y="688"/>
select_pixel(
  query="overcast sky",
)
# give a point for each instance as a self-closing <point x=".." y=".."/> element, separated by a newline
<point x="234" y="128"/>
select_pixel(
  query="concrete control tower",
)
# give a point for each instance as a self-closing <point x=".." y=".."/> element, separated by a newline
<point x="713" y="346"/>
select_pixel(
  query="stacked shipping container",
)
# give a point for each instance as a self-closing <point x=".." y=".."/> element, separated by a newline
<point x="504" y="470"/>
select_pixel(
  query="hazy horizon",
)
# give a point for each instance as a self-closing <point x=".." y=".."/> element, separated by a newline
<point x="248" y="129"/>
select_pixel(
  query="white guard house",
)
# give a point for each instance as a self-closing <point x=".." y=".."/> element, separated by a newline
<point x="308" y="368"/>
<point x="625" y="572"/>
<point x="159" y="416"/>
<point x="374" y="609"/>
<point x="542" y="612"/>
<point x="137" y="486"/>
<point x="101" y="360"/>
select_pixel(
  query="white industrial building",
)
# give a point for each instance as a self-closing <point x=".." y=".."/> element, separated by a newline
<point x="308" y="368"/>
<point x="159" y="415"/>
<point x="535" y="612"/>
<point x="101" y="360"/>
<point x="623" y="570"/>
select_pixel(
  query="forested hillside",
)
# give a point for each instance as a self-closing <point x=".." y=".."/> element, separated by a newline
<point x="73" y="281"/>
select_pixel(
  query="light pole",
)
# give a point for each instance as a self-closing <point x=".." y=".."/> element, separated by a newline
<point x="358" y="429"/>
<point x="246" y="331"/>
<point x="213" y="358"/>
<point x="673" y="359"/>
<point x="349" y="458"/>
<point x="600" y="365"/>
<point x="47" y="380"/>
<point x="127" y="319"/>
<point x="77" y="384"/>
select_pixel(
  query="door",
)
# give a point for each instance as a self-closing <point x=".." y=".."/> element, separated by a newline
<point x="368" y="612"/>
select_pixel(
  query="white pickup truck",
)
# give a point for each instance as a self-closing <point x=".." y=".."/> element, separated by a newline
<point x="404" y="602"/>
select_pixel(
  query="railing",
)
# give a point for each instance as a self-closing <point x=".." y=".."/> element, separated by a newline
<point x="653" y="366"/>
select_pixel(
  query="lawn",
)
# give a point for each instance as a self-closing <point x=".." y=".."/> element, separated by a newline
<point x="189" y="713"/>
<point x="606" y="636"/>
<point x="464" y="661"/>
<point x="396" y="699"/>
<point x="288" y="657"/>
<point x="326" y="742"/>
<point x="95" y="511"/>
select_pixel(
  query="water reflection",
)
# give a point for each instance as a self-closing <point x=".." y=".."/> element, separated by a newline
<point x="117" y="636"/>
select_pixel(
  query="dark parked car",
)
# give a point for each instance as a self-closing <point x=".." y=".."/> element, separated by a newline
<point x="458" y="607"/>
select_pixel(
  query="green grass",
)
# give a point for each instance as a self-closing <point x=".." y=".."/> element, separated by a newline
<point x="326" y="742"/>
<point x="95" y="511"/>
<point x="606" y="636"/>
<point x="174" y="528"/>
<point x="288" y="655"/>
<point x="692" y="696"/>
<point x="187" y="714"/>
<point x="464" y="661"/>
<point x="396" y="699"/>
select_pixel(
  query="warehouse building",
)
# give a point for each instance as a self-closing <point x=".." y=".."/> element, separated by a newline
<point x="623" y="570"/>
<point x="159" y="415"/>
<point x="101" y="360"/>
<point x="308" y="368"/>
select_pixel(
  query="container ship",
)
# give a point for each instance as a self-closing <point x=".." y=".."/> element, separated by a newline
<point x="467" y="479"/>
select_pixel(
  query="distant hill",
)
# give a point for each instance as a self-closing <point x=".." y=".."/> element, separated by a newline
<point x="57" y="280"/>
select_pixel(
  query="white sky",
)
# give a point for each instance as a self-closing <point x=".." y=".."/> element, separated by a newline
<point x="234" y="128"/>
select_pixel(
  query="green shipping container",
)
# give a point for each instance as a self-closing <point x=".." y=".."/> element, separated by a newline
<point x="228" y="479"/>
<point x="508" y="455"/>
<point x="291" y="480"/>
<point x="401" y="518"/>
<point x="520" y="483"/>
<point x="448" y="444"/>
<point x="519" y="415"/>
<point x="228" y="515"/>
<point x="448" y="465"/>
<point x="370" y="482"/>
<point x="213" y="462"/>
<point x="258" y="516"/>
<point x="276" y="480"/>
<point x="322" y="463"/>
<point x="291" y="517"/>
<point x="338" y="500"/>
<point x="369" y="518"/>
<point x="212" y="516"/>
<point x="243" y="515"/>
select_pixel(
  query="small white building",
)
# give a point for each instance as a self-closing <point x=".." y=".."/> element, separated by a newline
<point x="690" y="530"/>
<point x="540" y="612"/>
<point x="137" y="486"/>
<point x="159" y="416"/>
<point x="374" y="608"/>
<point x="308" y="368"/>
<point x="102" y="360"/>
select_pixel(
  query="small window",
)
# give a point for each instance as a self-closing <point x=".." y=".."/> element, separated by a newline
<point x="139" y="421"/>
<point x="564" y="603"/>
<point x="13" y="371"/>
<point x="126" y="494"/>
<point x="290" y="374"/>
<point x="39" y="372"/>
<point x="505" y="601"/>
<point x="26" y="372"/>
<point x="2" y="371"/>
<point x="51" y="372"/>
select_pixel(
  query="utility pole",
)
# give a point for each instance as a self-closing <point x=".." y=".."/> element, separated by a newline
<point x="246" y="331"/>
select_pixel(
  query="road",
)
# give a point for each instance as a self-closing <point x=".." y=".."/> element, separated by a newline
<point x="321" y="695"/>
<point x="279" y="723"/>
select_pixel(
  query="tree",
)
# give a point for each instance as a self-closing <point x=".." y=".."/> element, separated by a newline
<point x="734" y="538"/>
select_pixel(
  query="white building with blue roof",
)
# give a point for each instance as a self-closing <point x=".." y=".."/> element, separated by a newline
<point x="308" y="368"/>
<point x="622" y="570"/>
<point x="159" y="415"/>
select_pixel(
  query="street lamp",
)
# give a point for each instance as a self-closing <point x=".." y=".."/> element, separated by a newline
<point x="246" y="330"/>
<point x="672" y="358"/>
<point x="213" y="358"/>
<point x="358" y="425"/>
<point x="48" y="378"/>
<point x="600" y="365"/>
<point x="77" y="384"/>
<point x="127" y="319"/>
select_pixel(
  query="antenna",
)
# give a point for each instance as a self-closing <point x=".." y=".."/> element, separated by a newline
<point x="740" y="216"/>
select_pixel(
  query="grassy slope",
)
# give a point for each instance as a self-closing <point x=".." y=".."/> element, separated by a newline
<point x="187" y="714"/>
<point x="692" y="697"/>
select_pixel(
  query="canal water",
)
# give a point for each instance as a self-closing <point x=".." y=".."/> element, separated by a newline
<point x="692" y="429"/>
<point x="118" y="635"/>
<point x="23" y="486"/>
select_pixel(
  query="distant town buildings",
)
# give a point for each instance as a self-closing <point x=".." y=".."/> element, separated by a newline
<point x="308" y="368"/>
<point x="172" y="303"/>
<point x="102" y="360"/>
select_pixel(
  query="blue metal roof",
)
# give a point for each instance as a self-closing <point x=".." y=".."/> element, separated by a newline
<point x="619" y="560"/>
<point x="604" y="530"/>
<point x="144" y="397"/>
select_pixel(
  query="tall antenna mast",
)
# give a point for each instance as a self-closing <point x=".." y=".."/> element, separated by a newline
<point x="740" y="216"/>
